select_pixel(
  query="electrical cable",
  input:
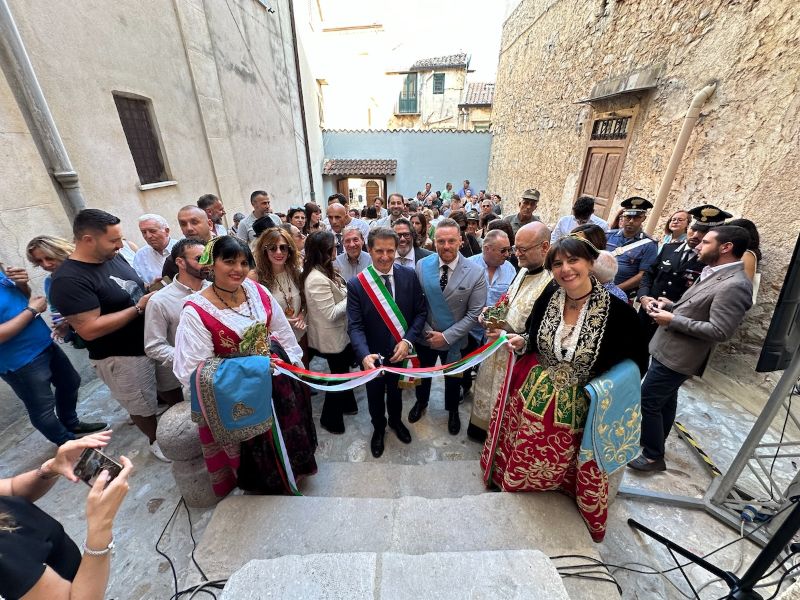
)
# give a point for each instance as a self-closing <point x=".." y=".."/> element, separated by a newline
<point x="169" y="560"/>
<point x="780" y="441"/>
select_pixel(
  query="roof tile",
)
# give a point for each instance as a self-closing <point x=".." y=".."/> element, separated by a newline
<point x="441" y="62"/>
<point x="479" y="94"/>
<point x="359" y="166"/>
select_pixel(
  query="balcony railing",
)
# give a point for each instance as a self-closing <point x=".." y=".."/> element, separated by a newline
<point x="407" y="106"/>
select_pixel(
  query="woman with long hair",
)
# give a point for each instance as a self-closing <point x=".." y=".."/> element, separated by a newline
<point x="326" y="317"/>
<point x="420" y="224"/>
<point x="48" y="253"/>
<point x="278" y="268"/>
<point x="573" y="336"/>
<point x="313" y="219"/>
<point x="257" y="441"/>
<point x="676" y="227"/>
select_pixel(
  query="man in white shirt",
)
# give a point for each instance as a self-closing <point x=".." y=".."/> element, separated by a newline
<point x="353" y="260"/>
<point x="397" y="205"/>
<point x="582" y="213"/>
<point x="215" y="211"/>
<point x="378" y="204"/>
<point x="149" y="260"/>
<point x="262" y="206"/>
<point x="340" y="200"/>
<point x="164" y="312"/>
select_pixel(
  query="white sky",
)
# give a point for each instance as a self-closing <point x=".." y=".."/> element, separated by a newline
<point x="426" y="28"/>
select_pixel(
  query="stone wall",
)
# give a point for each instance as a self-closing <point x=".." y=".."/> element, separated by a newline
<point x="743" y="152"/>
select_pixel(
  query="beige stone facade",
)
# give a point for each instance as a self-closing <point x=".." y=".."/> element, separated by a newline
<point x="221" y="80"/>
<point x="742" y="154"/>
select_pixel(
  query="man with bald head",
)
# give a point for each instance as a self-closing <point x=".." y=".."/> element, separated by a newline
<point x="509" y="314"/>
<point x="194" y="223"/>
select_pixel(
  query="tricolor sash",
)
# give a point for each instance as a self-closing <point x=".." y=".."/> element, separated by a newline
<point x="440" y="314"/>
<point x="391" y="315"/>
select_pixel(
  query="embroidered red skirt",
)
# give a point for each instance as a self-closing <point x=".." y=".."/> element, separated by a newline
<point x="528" y="451"/>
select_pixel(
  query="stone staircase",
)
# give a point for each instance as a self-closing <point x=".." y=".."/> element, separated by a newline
<point x="416" y="523"/>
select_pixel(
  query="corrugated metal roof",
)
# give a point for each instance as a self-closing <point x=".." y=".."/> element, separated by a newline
<point x="479" y="94"/>
<point x="359" y="166"/>
<point x="441" y="62"/>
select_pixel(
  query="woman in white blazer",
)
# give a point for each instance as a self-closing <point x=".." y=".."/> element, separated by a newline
<point x="326" y="318"/>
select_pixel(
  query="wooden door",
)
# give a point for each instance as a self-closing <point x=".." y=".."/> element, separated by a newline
<point x="373" y="191"/>
<point x="343" y="187"/>
<point x="605" y="153"/>
<point x="600" y="178"/>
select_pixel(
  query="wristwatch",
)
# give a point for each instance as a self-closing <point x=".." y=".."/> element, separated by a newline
<point x="33" y="311"/>
<point x="103" y="552"/>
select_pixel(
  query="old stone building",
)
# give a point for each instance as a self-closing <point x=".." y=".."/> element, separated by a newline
<point x="142" y="107"/>
<point x="591" y="97"/>
<point x="475" y="110"/>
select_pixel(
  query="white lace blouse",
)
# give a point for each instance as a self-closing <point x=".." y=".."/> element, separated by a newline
<point x="193" y="342"/>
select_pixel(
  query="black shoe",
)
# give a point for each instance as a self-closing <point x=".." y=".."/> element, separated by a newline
<point x="377" y="443"/>
<point x="476" y="434"/>
<point x="334" y="429"/>
<point x="416" y="412"/>
<point x="402" y="432"/>
<point x="641" y="463"/>
<point x="87" y="428"/>
<point x="453" y="423"/>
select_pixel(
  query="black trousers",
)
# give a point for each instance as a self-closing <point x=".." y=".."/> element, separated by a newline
<point x="338" y="403"/>
<point x="379" y="388"/>
<point x="648" y="325"/>
<point x="452" y="385"/>
<point x="659" y="404"/>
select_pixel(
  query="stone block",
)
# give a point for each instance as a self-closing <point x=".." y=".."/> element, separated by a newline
<point x="518" y="574"/>
<point x="319" y="576"/>
<point x="177" y="434"/>
<point x="194" y="483"/>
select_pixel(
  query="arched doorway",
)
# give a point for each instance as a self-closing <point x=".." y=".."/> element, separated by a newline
<point x="373" y="191"/>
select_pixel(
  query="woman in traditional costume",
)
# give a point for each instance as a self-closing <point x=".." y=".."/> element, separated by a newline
<point x="326" y="298"/>
<point x="256" y="430"/>
<point x="576" y="332"/>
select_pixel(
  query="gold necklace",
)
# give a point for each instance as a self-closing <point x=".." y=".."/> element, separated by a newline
<point x="289" y="311"/>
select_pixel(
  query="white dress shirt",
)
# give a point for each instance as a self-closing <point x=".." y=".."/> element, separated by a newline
<point x="407" y="260"/>
<point x="193" y="342"/>
<point x="161" y="320"/>
<point x="709" y="271"/>
<point x="148" y="263"/>
<point x="566" y="224"/>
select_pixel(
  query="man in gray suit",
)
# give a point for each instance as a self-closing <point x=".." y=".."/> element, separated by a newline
<point x="455" y="292"/>
<point x="708" y="313"/>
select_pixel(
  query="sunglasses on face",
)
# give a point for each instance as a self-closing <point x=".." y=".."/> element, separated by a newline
<point x="406" y="235"/>
<point x="279" y="248"/>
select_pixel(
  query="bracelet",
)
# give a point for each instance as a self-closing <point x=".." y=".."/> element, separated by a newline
<point x="139" y="309"/>
<point x="33" y="311"/>
<point x="103" y="552"/>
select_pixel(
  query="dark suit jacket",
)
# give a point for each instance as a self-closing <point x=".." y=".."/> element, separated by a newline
<point x="708" y="313"/>
<point x="368" y="333"/>
<point x="668" y="276"/>
<point x="420" y="253"/>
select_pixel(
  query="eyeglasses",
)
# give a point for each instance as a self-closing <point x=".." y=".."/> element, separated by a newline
<point x="506" y="250"/>
<point x="279" y="248"/>
<point x="677" y="220"/>
<point x="406" y="235"/>
<point x="526" y="249"/>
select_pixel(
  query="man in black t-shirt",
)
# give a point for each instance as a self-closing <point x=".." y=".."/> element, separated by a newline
<point x="103" y="299"/>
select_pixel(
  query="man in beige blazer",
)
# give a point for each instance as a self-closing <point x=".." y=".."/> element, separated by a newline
<point x="708" y="313"/>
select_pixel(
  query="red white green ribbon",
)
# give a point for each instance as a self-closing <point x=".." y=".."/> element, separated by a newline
<point x="338" y="382"/>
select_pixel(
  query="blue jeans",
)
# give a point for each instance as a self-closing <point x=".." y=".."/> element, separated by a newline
<point x="32" y="383"/>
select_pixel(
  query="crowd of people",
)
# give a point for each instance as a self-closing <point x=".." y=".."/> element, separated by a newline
<point x="416" y="282"/>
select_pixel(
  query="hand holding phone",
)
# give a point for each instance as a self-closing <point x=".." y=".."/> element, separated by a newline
<point x="93" y="462"/>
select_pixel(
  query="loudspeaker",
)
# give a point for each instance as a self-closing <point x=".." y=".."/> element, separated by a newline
<point x="783" y="336"/>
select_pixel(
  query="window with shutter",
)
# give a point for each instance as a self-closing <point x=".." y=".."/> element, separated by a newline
<point x="438" y="83"/>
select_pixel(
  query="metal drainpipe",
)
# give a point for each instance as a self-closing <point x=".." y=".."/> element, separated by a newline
<point x="677" y="153"/>
<point x="20" y="74"/>
<point x="301" y="101"/>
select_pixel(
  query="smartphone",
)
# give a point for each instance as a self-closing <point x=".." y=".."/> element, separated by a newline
<point x="91" y="463"/>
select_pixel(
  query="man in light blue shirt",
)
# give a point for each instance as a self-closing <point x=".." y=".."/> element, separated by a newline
<point x="353" y="260"/>
<point x="582" y="213"/>
<point x="498" y="272"/>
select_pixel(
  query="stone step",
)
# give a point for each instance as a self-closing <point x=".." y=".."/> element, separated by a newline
<point x="527" y="574"/>
<point x="443" y="479"/>
<point x="244" y="528"/>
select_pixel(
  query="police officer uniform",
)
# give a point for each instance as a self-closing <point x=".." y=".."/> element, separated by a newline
<point x="677" y="266"/>
<point x="643" y="255"/>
